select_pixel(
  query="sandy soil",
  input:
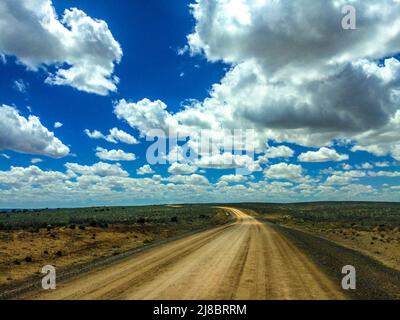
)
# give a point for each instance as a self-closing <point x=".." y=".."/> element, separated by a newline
<point x="243" y="260"/>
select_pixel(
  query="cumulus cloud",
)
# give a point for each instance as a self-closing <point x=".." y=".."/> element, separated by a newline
<point x="176" y="154"/>
<point x="18" y="177"/>
<point x="181" y="168"/>
<point x="146" y="169"/>
<point x="28" y="135"/>
<point x="114" y="155"/>
<point x="194" y="179"/>
<point x="284" y="171"/>
<point x="116" y="135"/>
<point x="100" y="169"/>
<point x="233" y="178"/>
<point x="276" y="152"/>
<point x="81" y="49"/>
<point x="106" y="184"/>
<point x="357" y="102"/>
<point x="36" y="160"/>
<point x="344" y="177"/>
<point x="338" y="180"/>
<point x="316" y="84"/>
<point x="382" y="164"/>
<point x="346" y="166"/>
<point x="95" y="134"/>
<point x="228" y="161"/>
<point x="365" y="165"/>
<point x="146" y="115"/>
<point x="121" y="136"/>
<point x="387" y="174"/>
<point x="323" y="155"/>
<point x="57" y="125"/>
<point x="305" y="36"/>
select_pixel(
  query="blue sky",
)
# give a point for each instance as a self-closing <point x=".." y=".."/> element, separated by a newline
<point x="150" y="68"/>
<point x="324" y="131"/>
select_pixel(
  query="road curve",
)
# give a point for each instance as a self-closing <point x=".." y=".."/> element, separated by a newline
<point x="243" y="260"/>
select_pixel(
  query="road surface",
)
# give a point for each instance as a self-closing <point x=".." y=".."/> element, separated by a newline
<point x="243" y="260"/>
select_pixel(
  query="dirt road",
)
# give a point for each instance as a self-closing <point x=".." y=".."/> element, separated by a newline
<point x="243" y="260"/>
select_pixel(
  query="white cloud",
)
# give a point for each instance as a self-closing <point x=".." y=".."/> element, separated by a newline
<point x="282" y="184"/>
<point x="228" y="161"/>
<point x="181" y="168"/>
<point x="317" y="83"/>
<point x="395" y="150"/>
<point x="354" y="190"/>
<point x="323" y="155"/>
<point x="232" y="178"/>
<point x="3" y="58"/>
<point x="81" y="49"/>
<point x="36" y="160"/>
<point x="19" y="177"/>
<point x="146" y="115"/>
<point x="94" y="134"/>
<point x="106" y="184"/>
<point x="383" y="164"/>
<point x="146" y="169"/>
<point x="289" y="112"/>
<point x="346" y="166"/>
<point x="338" y="180"/>
<point x="21" y="86"/>
<point x="387" y="174"/>
<point x="57" y="125"/>
<point x="100" y="169"/>
<point x="279" y="152"/>
<point x="176" y="154"/>
<point x="312" y="37"/>
<point x="193" y="179"/>
<point x="114" y="155"/>
<point x="285" y="171"/>
<point x="344" y="177"/>
<point x="122" y="136"/>
<point x="116" y="135"/>
<point x="365" y="165"/>
<point x="28" y="135"/>
<point x="276" y="152"/>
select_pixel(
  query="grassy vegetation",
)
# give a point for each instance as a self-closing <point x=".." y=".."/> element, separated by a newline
<point x="360" y="215"/>
<point x="103" y="216"/>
